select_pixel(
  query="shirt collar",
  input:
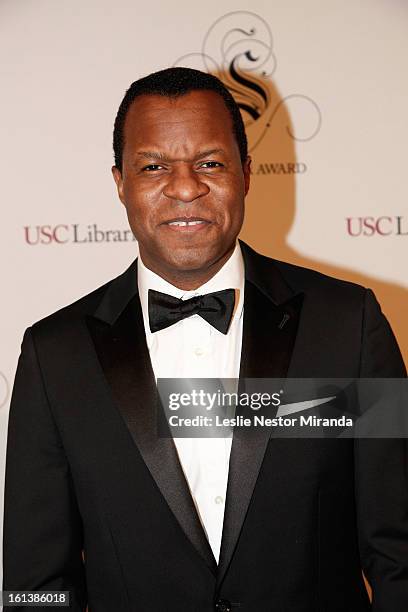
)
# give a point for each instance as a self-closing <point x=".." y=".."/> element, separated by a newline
<point x="231" y="276"/>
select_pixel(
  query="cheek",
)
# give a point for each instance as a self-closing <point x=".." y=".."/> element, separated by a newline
<point x="230" y="203"/>
<point x="138" y="194"/>
<point x="141" y="208"/>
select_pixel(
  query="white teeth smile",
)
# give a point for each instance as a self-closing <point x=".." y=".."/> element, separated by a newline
<point x="186" y="223"/>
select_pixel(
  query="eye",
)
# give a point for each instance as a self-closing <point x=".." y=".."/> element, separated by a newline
<point x="152" y="168"/>
<point x="211" y="164"/>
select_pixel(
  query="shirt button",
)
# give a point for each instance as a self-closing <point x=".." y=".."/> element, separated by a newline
<point x="219" y="499"/>
<point x="199" y="351"/>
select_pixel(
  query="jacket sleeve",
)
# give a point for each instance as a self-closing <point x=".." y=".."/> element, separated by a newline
<point x="381" y="478"/>
<point x="42" y="537"/>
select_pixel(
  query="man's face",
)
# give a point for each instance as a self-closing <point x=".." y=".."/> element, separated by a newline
<point x="182" y="183"/>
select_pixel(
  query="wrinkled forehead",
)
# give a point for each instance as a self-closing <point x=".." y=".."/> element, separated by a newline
<point x="194" y="120"/>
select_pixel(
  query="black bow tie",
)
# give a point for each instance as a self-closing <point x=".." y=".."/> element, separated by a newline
<point x="216" y="308"/>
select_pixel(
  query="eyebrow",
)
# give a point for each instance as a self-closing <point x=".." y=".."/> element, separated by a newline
<point x="162" y="157"/>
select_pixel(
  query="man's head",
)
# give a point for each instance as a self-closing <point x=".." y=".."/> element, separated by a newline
<point x="181" y="158"/>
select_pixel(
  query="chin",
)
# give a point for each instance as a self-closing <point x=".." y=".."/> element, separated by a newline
<point x="191" y="259"/>
<point x="188" y="263"/>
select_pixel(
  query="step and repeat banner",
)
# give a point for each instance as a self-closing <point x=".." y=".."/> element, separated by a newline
<point x="324" y="95"/>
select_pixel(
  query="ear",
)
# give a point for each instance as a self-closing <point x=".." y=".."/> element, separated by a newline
<point x="246" y="167"/>
<point x="117" y="177"/>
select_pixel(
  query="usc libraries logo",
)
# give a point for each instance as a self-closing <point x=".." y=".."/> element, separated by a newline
<point x="64" y="233"/>
<point x="377" y="226"/>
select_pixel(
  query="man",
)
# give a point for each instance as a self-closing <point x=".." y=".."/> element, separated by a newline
<point x="96" y="503"/>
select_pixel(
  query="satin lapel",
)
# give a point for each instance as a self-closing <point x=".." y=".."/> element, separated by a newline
<point x="122" y="351"/>
<point x="269" y="333"/>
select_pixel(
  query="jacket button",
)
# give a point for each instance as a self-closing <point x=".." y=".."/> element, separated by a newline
<point x="223" y="605"/>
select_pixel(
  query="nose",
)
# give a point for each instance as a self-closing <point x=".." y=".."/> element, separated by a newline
<point x="185" y="185"/>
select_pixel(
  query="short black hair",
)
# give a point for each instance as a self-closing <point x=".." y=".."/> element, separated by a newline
<point x="174" y="82"/>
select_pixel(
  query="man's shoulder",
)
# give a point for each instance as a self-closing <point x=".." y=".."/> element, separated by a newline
<point x="313" y="279"/>
<point x="77" y="311"/>
<point x="305" y="280"/>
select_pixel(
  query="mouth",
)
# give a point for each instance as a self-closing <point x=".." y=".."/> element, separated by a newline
<point x="187" y="223"/>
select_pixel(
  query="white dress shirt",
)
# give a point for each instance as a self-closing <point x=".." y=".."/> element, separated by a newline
<point x="192" y="348"/>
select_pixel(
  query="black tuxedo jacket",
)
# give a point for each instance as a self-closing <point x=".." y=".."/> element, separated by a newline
<point x="96" y="504"/>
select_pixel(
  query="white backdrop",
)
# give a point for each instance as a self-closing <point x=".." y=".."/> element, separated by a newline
<point x="333" y="155"/>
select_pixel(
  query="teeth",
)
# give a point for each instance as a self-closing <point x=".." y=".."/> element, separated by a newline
<point x="183" y="223"/>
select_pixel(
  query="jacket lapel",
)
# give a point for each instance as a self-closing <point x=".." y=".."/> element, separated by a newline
<point x="117" y="331"/>
<point x="271" y="316"/>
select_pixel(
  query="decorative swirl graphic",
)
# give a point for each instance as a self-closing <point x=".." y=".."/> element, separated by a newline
<point x="312" y="104"/>
<point x="238" y="48"/>
<point x="241" y="34"/>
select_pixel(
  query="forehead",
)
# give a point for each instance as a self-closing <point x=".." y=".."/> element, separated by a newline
<point x="194" y="119"/>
